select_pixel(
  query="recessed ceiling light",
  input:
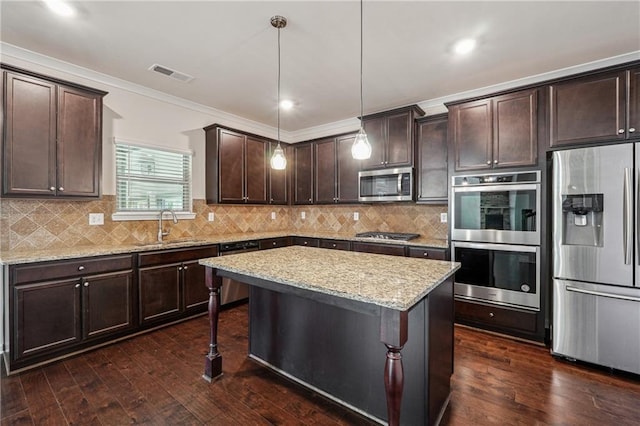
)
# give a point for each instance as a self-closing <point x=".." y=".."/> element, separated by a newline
<point x="286" y="104"/>
<point x="60" y="7"/>
<point x="464" y="46"/>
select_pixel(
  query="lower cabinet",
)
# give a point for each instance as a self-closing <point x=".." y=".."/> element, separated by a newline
<point x="171" y="284"/>
<point x="379" y="248"/>
<point x="303" y="241"/>
<point x="273" y="243"/>
<point x="428" y="253"/>
<point x="58" y="307"/>
<point x="335" y="244"/>
<point x="511" y="321"/>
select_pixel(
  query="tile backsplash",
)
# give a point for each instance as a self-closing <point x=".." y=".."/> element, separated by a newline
<point x="41" y="224"/>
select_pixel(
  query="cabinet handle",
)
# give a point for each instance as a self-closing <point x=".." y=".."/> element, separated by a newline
<point x="621" y="131"/>
<point x="488" y="163"/>
<point x="185" y="268"/>
<point x="53" y="188"/>
<point x="77" y="285"/>
<point x="309" y="199"/>
<point x="274" y="243"/>
<point x="86" y="284"/>
<point x="632" y="129"/>
<point x="179" y="268"/>
<point x="495" y="161"/>
<point x="491" y="314"/>
<point x="80" y="268"/>
<point x="305" y="243"/>
<point x="334" y="245"/>
<point x="61" y="189"/>
<point x="425" y="254"/>
<point x="271" y="199"/>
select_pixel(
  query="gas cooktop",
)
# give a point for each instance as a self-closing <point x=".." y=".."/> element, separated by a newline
<point x="388" y="235"/>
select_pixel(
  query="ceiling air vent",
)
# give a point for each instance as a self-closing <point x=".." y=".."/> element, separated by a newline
<point x="171" y="73"/>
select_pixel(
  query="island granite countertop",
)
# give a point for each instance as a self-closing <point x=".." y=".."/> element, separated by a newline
<point x="388" y="281"/>
<point x="11" y="257"/>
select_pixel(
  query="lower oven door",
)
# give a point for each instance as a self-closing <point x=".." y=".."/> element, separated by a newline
<point x="498" y="273"/>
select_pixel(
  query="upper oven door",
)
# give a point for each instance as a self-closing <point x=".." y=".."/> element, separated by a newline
<point x="499" y="213"/>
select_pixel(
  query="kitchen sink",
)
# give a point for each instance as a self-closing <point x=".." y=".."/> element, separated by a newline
<point x="170" y="242"/>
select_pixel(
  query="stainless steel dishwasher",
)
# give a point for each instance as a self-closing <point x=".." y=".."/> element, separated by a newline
<point x="234" y="291"/>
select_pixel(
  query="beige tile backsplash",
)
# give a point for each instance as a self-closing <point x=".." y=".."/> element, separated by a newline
<point x="41" y="224"/>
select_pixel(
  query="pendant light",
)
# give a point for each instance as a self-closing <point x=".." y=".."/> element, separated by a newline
<point x="278" y="160"/>
<point x="361" y="148"/>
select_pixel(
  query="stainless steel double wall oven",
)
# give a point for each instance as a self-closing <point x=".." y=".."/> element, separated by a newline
<point x="495" y="235"/>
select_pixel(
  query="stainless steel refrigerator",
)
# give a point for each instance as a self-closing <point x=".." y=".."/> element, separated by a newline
<point x="596" y="261"/>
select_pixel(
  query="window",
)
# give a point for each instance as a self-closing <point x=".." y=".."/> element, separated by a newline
<point x="150" y="179"/>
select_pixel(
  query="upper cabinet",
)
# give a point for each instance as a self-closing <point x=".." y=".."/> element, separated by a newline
<point x="431" y="159"/>
<point x="495" y="132"/>
<point x="303" y="173"/>
<point x="237" y="169"/>
<point x="391" y="137"/>
<point x="595" y="108"/>
<point x="52" y="139"/>
<point x="335" y="171"/>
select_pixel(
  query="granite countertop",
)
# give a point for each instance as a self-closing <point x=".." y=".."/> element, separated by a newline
<point x="39" y="255"/>
<point x="365" y="277"/>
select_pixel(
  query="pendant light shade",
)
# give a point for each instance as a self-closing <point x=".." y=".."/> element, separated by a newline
<point x="278" y="160"/>
<point x="361" y="149"/>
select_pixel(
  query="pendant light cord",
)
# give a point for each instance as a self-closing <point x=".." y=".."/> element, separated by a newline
<point x="278" y="86"/>
<point x="361" y="55"/>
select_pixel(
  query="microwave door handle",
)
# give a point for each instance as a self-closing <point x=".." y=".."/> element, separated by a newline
<point x="627" y="219"/>
<point x="399" y="183"/>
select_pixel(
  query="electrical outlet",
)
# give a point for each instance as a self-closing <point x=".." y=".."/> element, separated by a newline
<point x="356" y="216"/>
<point x="303" y="215"/>
<point x="443" y="217"/>
<point x="211" y="217"/>
<point x="96" y="218"/>
<point x="273" y="215"/>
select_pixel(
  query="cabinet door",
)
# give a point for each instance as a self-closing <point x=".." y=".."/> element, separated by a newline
<point x="325" y="171"/>
<point x="378" y="248"/>
<point x="427" y="253"/>
<point x="376" y="134"/>
<point x="335" y="244"/>
<point x="30" y="136"/>
<point x="347" y="171"/>
<point x="515" y="129"/>
<point x="432" y="170"/>
<point x="471" y="127"/>
<point x="196" y="294"/>
<point x="256" y="171"/>
<point x="231" y="163"/>
<point x="107" y="303"/>
<point x="159" y="292"/>
<point x="278" y="182"/>
<point x="79" y="148"/>
<point x="634" y="103"/>
<point x="399" y="150"/>
<point x="303" y="174"/>
<point x="589" y="109"/>
<point x="47" y="316"/>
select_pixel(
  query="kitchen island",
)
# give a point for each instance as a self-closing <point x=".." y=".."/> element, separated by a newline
<point x="320" y="317"/>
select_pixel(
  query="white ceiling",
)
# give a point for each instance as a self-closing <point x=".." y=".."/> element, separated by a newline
<point x="230" y="48"/>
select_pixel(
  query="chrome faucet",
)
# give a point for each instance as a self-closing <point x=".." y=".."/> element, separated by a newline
<point x="161" y="233"/>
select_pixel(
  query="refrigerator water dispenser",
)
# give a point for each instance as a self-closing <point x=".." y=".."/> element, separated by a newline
<point x="582" y="217"/>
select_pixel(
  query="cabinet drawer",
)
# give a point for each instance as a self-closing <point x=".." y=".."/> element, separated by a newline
<point x="427" y="253"/>
<point x="69" y="268"/>
<point x="335" y="244"/>
<point x="510" y="319"/>
<point x="274" y="243"/>
<point x="309" y="242"/>
<point x="379" y="248"/>
<point x="176" y="255"/>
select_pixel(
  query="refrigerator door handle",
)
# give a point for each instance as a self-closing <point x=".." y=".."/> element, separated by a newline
<point x="627" y="219"/>
<point x="603" y="294"/>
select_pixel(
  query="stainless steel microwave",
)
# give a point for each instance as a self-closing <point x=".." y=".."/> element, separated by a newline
<point x="386" y="185"/>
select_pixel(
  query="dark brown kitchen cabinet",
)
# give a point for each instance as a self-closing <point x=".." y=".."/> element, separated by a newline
<point x="307" y="242"/>
<point x="303" y="173"/>
<point x="378" y="248"/>
<point x="596" y="108"/>
<point x="270" y="243"/>
<point x="335" y="244"/>
<point x="335" y="171"/>
<point x="391" y="136"/>
<point x="511" y="321"/>
<point x="171" y="284"/>
<point x="52" y="139"/>
<point x="427" y="253"/>
<point x="496" y="132"/>
<point x="58" y="307"/>
<point x="431" y="155"/>
<point x="278" y="179"/>
<point x="238" y="163"/>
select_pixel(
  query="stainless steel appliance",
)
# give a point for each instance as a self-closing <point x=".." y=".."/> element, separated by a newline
<point x="386" y="185"/>
<point x="503" y="274"/>
<point x="234" y="291"/>
<point x="496" y="207"/>
<point x="596" y="267"/>
<point x="400" y="236"/>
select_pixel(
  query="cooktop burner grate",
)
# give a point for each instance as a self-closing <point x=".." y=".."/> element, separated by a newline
<point x="388" y="235"/>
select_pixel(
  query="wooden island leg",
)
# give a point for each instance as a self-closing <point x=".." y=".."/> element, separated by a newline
<point x="213" y="360"/>
<point x="393" y="333"/>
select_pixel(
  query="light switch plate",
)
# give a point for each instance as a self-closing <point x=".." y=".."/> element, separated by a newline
<point x="443" y="217"/>
<point x="273" y="215"/>
<point x="96" y="218"/>
<point x="356" y="216"/>
<point x="211" y="217"/>
<point x="303" y="215"/>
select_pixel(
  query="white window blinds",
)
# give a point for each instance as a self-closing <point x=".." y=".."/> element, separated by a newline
<point x="152" y="179"/>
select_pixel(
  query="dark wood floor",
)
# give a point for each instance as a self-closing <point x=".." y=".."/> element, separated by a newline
<point x="155" y="379"/>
